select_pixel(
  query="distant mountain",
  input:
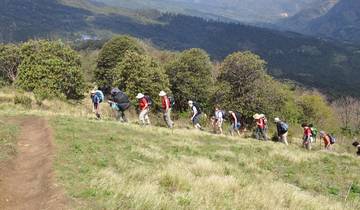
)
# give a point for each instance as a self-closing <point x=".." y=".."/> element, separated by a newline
<point x="248" y="11"/>
<point x="329" y="66"/>
<point x="341" y="22"/>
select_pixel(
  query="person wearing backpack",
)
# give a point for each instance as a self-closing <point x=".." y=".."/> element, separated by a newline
<point x="357" y="145"/>
<point x="144" y="108"/>
<point x="314" y="132"/>
<point x="97" y="97"/>
<point x="166" y="108"/>
<point x="261" y="126"/>
<point x="326" y="138"/>
<point x="119" y="103"/>
<point x="235" y="122"/>
<point x="307" y="136"/>
<point x="282" y="130"/>
<point x="196" y="114"/>
<point x="218" y="120"/>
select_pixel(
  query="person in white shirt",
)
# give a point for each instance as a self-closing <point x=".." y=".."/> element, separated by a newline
<point x="218" y="120"/>
<point x="196" y="114"/>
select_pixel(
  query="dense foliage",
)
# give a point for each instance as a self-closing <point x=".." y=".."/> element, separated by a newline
<point x="138" y="73"/>
<point x="190" y="78"/>
<point x="10" y="59"/>
<point x="110" y="55"/>
<point x="50" y="69"/>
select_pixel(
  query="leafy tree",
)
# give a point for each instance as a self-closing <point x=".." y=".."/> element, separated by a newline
<point x="110" y="55"/>
<point x="138" y="73"/>
<point x="51" y="69"/>
<point x="248" y="88"/>
<point x="10" y="59"/>
<point x="316" y="110"/>
<point x="191" y="78"/>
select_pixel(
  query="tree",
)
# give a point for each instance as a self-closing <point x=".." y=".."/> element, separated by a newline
<point x="138" y="73"/>
<point x="51" y="69"/>
<point x="110" y="55"/>
<point x="190" y="76"/>
<point x="249" y="89"/>
<point x="10" y="59"/>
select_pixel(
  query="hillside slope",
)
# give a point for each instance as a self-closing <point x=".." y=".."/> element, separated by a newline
<point x="341" y="22"/>
<point x="331" y="67"/>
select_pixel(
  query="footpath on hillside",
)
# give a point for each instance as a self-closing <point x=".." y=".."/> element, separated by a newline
<point x="28" y="181"/>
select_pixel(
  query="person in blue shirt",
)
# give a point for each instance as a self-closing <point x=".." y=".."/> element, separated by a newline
<point x="96" y="100"/>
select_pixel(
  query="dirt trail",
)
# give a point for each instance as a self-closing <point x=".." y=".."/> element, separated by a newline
<point x="27" y="182"/>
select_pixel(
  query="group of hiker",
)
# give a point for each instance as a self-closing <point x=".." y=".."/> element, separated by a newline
<point x="120" y="102"/>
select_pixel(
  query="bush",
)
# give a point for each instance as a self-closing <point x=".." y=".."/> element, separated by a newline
<point x="191" y="78"/>
<point x="112" y="53"/>
<point x="141" y="74"/>
<point x="23" y="100"/>
<point x="51" y="67"/>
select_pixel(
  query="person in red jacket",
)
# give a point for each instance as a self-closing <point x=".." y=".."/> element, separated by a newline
<point x="166" y="108"/>
<point x="144" y="109"/>
<point x="261" y="126"/>
<point x="307" y="136"/>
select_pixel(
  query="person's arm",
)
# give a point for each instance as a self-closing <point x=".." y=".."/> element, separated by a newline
<point x="194" y="112"/>
<point x="235" y="120"/>
<point x="167" y="104"/>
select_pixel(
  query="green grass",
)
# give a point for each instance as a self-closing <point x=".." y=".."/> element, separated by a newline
<point x="107" y="165"/>
<point x="8" y="135"/>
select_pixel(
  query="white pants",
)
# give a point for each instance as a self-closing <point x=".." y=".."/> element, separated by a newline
<point x="144" y="117"/>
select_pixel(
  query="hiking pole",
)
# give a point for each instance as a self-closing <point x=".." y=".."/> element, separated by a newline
<point x="348" y="192"/>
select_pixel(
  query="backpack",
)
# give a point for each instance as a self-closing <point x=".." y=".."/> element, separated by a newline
<point x="238" y="116"/>
<point x="284" y="127"/>
<point x="197" y="106"/>
<point x="172" y="101"/>
<point x="100" y="94"/>
<point x="314" y="132"/>
<point x="149" y="100"/>
<point x="119" y="97"/>
<point x="332" y="139"/>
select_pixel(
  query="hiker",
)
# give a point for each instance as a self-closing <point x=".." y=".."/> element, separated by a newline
<point x="282" y="130"/>
<point x="217" y="120"/>
<point x="261" y="126"/>
<point x="120" y="103"/>
<point x="144" y="107"/>
<point x="357" y="145"/>
<point x="307" y="136"/>
<point x="166" y="108"/>
<point x="326" y="138"/>
<point x="97" y="97"/>
<point x="196" y="114"/>
<point x="235" y="122"/>
<point x="314" y="132"/>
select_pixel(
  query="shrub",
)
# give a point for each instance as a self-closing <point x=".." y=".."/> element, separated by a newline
<point x="51" y="67"/>
<point x="10" y="59"/>
<point x="191" y="78"/>
<point x="23" y="100"/>
<point x="112" y="53"/>
<point x="140" y="74"/>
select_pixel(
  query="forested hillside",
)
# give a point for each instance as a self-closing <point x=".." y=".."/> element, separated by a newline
<point x="310" y="61"/>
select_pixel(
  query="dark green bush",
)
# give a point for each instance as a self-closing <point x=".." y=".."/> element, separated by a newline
<point x="23" y="100"/>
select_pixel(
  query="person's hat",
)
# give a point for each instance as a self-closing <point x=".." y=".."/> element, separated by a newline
<point x="93" y="92"/>
<point x="322" y="133"/>
<point x="191" y="102"/>
<point x="162" y="93"/>
<point x="140" y="95"/>
<point x="230" y="112"/>
<point x="261" y="115"/>
<point x="256" y="116"/>
<point x="277" y="119"/>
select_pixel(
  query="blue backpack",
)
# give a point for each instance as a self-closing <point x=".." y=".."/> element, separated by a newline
<point x="332" y="139"/>
<point x="284" y="127"/>
<point x="100" y="94"/>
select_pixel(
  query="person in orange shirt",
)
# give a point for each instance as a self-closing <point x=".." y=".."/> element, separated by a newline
<point x="261" y="127"/>
<point x="325" y="137"/>
<point x="144" y="109"/>
<point x="166" y="108"/>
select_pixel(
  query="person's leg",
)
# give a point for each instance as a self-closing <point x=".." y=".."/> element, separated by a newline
<point x="142" y="117"/>
<point x="123" y="116"/>
<point x="220" y="127"/>
<point x="146" y="117"/>
<point x="167" y="118"/>
<point x="263" y="134"/>
<point x="284" y="138"/>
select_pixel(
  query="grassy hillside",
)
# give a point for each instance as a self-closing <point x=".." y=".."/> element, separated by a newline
<point x="108" y="165"/>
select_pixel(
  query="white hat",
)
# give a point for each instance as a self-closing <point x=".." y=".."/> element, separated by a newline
<point x="256" y="116"/>
<point x="140" y="95"/>
<point x="191" y="102"/>
<point x="261" y="115"/>
<point x="277" y="119"/>
<point x="162" y="93"/>
<point x="93" y="92"/>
